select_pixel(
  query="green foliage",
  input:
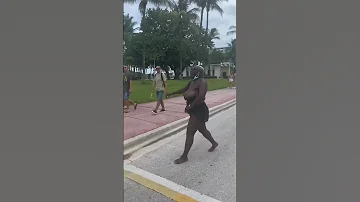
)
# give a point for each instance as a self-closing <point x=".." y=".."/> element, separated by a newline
<point x="232" y="51"/>
<point x="218" y="57"/>
<point x="129" y="28"/>
<point x="172" y="37"/>
<point x="133" y="50"/>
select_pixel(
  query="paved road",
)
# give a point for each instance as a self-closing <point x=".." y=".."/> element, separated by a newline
<point x="210" y="174"/>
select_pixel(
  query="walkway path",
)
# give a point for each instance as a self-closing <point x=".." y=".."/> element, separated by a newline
<point x="142" y="120"/>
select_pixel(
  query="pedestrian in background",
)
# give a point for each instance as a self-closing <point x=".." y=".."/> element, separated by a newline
<point x="235" y="79"/>
<point x="231" y="80"/>
<point x="159" y="84"/>
<point x="127" y="89"/>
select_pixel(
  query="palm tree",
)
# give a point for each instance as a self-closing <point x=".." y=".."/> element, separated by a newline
<point x="129" y="26"/>
<point x="212" y="35"/>
<point x="143" y="4"/>
<point x="208" y="5"/>
<point x="142" y="8"/>
<point x="212" y="5"/>
<point x="201" y="4"/>
<point x="181" y="7"/>
<point x="232" y="30"/>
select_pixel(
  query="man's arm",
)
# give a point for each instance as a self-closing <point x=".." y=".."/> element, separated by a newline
<point x="165" y="83"/>
<point x="154" y="83"/>
<point x="181" y="90"/>
<point x="130" y="82"/>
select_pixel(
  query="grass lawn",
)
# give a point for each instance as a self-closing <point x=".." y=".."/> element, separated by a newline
<point x="142" y="91"/>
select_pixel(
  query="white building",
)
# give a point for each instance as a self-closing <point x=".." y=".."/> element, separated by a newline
<point x="222" y="49"/>
<point x="221" y="70"/>
<point x="150" y="71"/>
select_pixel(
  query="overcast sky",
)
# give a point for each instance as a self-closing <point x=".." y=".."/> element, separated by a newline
<point x="222" y="24"/>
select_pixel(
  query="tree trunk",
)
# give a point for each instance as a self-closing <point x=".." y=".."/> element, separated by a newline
<point x="144" y="51"/>
<point x="206" y="33"/>
<point x="143" y="65"/>
<point x="181" y="45"/>
<point x="200" y="33"/>
<point x="207" y="20"/>
<point x="181" y="62"/>
<point x="201" y="17"/>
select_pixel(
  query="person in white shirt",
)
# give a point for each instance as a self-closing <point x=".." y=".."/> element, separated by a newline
<point x="160" y="86"/>
<point x="231" y="80"/>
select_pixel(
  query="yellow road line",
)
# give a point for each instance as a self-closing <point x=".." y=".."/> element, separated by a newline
<point x="158" y="187"/>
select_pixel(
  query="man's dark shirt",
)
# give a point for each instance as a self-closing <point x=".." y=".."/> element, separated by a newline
<point x="127" y="79"/>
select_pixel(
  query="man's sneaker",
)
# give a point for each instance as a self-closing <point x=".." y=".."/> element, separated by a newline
<point x="162" y="110"/>
<point x="154" y="112"/>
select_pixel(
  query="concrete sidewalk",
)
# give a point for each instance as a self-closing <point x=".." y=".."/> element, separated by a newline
<point x="142" y="120"/>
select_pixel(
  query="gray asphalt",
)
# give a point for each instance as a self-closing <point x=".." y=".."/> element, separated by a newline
<point x="134" y="192"/>
<point x="212" y="174"/>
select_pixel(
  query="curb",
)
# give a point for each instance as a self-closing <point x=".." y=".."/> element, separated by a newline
<point x="133" y="144"/>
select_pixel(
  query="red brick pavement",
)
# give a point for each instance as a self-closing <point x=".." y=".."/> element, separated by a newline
<point x="142" y="120"/>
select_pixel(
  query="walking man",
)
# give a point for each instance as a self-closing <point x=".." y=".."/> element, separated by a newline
<point x="160" y="86"/>
<point x="127" y="89"/>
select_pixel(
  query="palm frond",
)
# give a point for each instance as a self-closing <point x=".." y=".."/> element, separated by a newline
<point x="192" y="13"/>
<point x="194" y="10"/>
<point x="214" y="34"/>
<point x="231" y="32"/>
<point x="142" y="7"/>
<point x="232" y="27"/>
<point x="200" y="3"/>
<point x="193" y="16"/>
<point x="232" y="43"/>
<point x="129" y="24"/>
<point x="217" y="8"/>
<point x="214" y="31"/>
<point x="158" y="2"/>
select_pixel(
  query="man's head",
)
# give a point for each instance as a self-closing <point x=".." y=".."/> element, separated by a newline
<point x="197" y="72"/>
<point x="158" y="69"/>
<point x="126" y="68"/>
